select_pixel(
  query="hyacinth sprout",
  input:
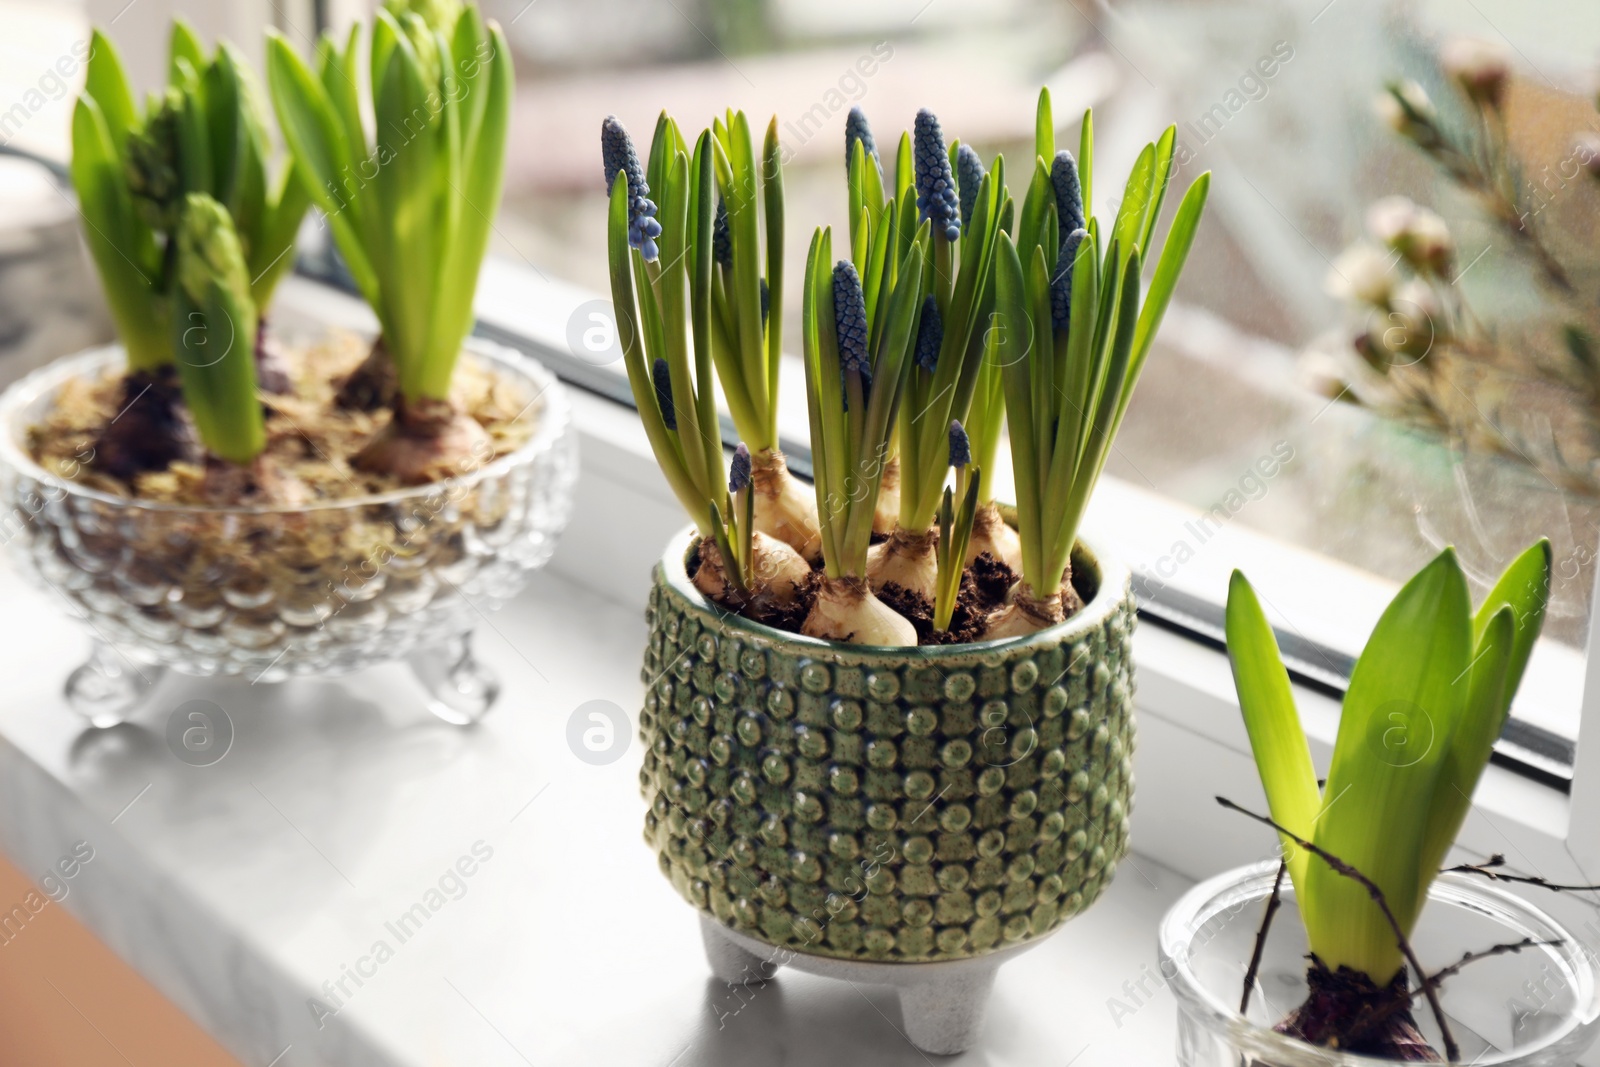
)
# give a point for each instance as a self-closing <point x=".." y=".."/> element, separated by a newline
<point x="855" y="378"/>
<point x="1070" y="336"/>
<point x="867" y="195"/>
<point x="991" y="534"/>
<point x="135" y="171"/>
<point x="1431" y="665"/>
<point x="213" y="325"/>
<point x="409" y="201"/>
<point x="662" y="286"/>
<point x="955" y="526"/>
<point x="747" y="321"/>
<point x="943" y="375"/>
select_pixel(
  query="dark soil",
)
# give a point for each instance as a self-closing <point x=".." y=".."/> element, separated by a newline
<point x="917" y="609"/>
<point x="792" y="616"/>
<point x="142" y="441"/>
<point x="149" y="429"/>
<point x="1339" y="1011"/>
<point x="983" y="589"/>
<point x="992" y="578"/>
<point x="787" y="617"/>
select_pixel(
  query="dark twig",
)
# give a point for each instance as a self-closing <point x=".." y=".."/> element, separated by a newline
<point x="1502" y="206"/>
<point x="1508" y="949"/>
<point x="1490" y="870"/>
<point x="1452" y="1051"/>
<point x="1274" y="902"/>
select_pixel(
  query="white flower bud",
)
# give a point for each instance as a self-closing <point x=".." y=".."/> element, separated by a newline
<point x="1420" y="236"/>
<point x="1363" y="273"/>
<point x="1479" y="67"/>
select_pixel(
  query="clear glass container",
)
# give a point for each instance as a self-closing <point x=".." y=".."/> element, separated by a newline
<point x="1535" y="1008"/>
<point x="271" y="592"/>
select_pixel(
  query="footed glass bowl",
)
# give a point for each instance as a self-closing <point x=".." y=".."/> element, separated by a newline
<point x="270" y="592"/>
<point x="1536" y="1008"/>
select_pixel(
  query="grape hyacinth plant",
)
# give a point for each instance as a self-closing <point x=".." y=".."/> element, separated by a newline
<point x="1070" y="336"/>
<point x="918" y="350"/>
<point x="409" y="202"/>
<point x="1390" y="808"/>
<point x="943" y="376"/>
<point x="665" y="302"/>
<point x="136" y="173"/>
<point x="866" y="197"/>
<point x="855" y="382"/>
<point x="746" y="321"/>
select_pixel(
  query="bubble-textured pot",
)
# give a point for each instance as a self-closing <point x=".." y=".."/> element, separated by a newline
<point x="1539" y="1007"/>
<point x="909" y="806"/>
<point x="269" y="592"/>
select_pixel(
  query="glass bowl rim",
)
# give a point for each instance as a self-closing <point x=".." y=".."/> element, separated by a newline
<point x="553" y="423"/>
<point x="1252" y="884"/>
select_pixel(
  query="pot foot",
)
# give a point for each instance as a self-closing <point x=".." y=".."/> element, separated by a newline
<point x="732" y="963"/>
<point x="461" y="688"/>
<point x="944" y="1015"/>
<point x="107" y="688"/>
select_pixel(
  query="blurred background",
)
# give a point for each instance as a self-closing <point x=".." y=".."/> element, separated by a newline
<point x="1364" y="383"/>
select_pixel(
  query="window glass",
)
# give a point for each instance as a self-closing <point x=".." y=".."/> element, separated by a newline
<point x="1322" y="409"/>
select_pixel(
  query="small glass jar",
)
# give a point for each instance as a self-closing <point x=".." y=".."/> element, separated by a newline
<point x="1535" y="1008"/>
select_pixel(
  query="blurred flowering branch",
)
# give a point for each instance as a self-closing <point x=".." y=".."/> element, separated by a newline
<point x="1421" y="353"/>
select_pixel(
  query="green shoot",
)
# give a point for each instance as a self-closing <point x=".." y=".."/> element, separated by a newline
<point x="1427" y="699"/>
<point x="955" y="527"/>
<point x="985" y="419"/>
<point x="205" y="133"/>
<point x="409" y="200"/>
<point x="854" y="386"/>
<point x="214" y="328"/>
<point x="944" y="377"/>
<point x="668" y="363"/>
<point x="747" y="284"/>
<point x="1076" y="333"/>
<point x="745" y="319"/>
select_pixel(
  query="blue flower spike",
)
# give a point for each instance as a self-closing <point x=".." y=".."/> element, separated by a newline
<point x="1061" y="281"/>
<point x="739" y="470"/>
<point x="616" y="151"/>
<point x="960" y="446"/>
<point x="969" y="175"/>
<point x="850" y="320"/>
<point x="936" y="186"/>
<point x="856" y="129"/>
<point x="1069" y="193"/>
<point x="930" y="335"/>
<point x="661" y="378"/>
<point x="722" y="236"/>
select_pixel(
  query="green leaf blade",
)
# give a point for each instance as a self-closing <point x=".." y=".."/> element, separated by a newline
<point x="1409" y="684"/>
<point x="1277" y="740"/>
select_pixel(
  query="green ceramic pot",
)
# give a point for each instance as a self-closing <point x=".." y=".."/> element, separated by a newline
<point x="891" y="805"/>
